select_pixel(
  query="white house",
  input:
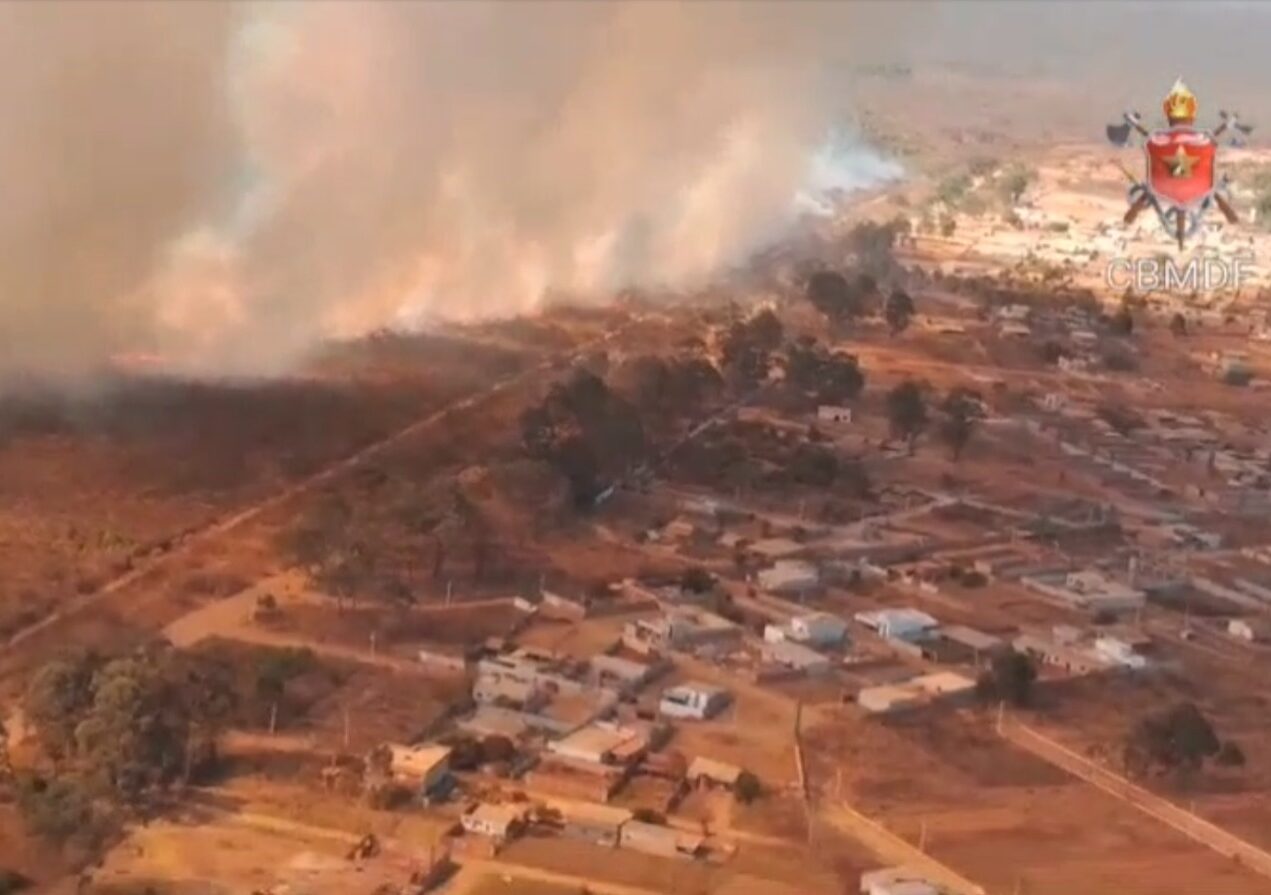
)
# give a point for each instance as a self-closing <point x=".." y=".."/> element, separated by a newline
<point x="426" y="765"/>
<point x="693" y="700"/>
<point x="1248" y="629"/>
<point x="818" y="629"/>
<point x="1118" y="652"/>
<point x="833" y="413"/>
<point x="496" y="821"/>
<point x="895" y="881"/>
<point x="899" y="624"/>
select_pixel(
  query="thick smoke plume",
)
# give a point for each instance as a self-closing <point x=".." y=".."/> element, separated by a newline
<point x="224" y="185"/>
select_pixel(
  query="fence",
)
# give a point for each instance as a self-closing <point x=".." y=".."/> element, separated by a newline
<point x="1162" y="809"/>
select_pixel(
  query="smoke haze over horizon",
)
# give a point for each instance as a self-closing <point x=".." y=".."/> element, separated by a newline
<point x="226" y="184"/>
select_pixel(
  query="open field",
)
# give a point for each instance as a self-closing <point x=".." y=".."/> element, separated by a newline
<point x="1005" y="818"/>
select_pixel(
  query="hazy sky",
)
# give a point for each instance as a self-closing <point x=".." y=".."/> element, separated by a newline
<point x="225" y="183"/>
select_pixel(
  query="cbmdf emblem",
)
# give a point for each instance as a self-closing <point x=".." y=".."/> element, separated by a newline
<point x="1180" y="179"/>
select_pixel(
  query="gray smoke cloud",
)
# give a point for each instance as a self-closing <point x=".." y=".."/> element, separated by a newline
<point x="224" y="185"/>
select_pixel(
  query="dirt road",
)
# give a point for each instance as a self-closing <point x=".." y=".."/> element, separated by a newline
<point x="220" y="527"/>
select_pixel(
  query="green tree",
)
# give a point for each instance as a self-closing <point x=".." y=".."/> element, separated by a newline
<point x="57" y="697"/>
<point x="960" y="415"/>
<point x="830" y="293"/>
<point x="697" y="580"/>
<point x="140" y="722"/>
<point x="1122" y="322"/>
<point x="830" y="377"/>
<point x="1009" y="678"/>
<point x="1015" y="182"/>
<point x="1177" y="739"/>
<point x="1178" y="325"/>
<point x="748" y="346"/>
<point x="898" y="311"/>
<point x="907" y="412"/>
<point x="64" y="811"/>
<point x="747" y="788"/>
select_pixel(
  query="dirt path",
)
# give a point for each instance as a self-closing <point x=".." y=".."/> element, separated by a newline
<point x="220" y="527"/>
<point x="892" y="848"/>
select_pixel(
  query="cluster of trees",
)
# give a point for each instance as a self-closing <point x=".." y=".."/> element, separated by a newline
<point x="871" y="244"/>
<point x="839" y="299"/>
<point x="748" y="347"/>
<point x="1009" y="678"/>
<point x="831" y="377"/>
<point x="670" y="387"/>
<point x="1176" y="740"/>
<point x="909" y="416"/>
<point x="843" y="300"/>
<point x="116" y="733"/>
<point x="585" y="431"/>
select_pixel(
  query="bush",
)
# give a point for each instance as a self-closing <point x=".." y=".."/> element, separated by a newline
<point x="1230" y="755"/>
<point x="747" y="788"/>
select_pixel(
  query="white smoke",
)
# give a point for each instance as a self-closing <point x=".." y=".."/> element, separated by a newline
<point x="293" y="171"/>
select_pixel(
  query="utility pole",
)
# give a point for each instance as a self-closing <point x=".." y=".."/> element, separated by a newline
<point x="1001" y="715"/>
<point x="922" y="837"/>
<point x="373" y="643"/>
<point x="346" y="728"/>
<point x="273" y="717"/>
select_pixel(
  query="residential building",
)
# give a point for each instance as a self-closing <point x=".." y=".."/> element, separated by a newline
<point x="500" y="822"/>
<point x="708" y="772"/>
<point x="1119" y="652"/>
<point x="599" y="824"/>
<point x="1089" y="590"/>
<point x="681" y="627"/>
<point x="899" y="624"/>
<point x="1249" y="629"/>
<point x="426" y="766"/>
<point x="978" y="641"/>
<point x="818" y="629"/>
<point x="792" y="577"/>
<point x="896" y="881"/>
<point x="693" y="700"/>
<point x="603" y="743"/>
<point x="665" y="842"/>
<point x="796" y="657"/>
<point x="886" y="698"/>
<point x="834" y="413"/>
<point x="617" y="673"/>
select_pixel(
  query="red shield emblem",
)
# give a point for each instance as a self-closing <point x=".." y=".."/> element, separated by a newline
<point x="1180" y="165"/>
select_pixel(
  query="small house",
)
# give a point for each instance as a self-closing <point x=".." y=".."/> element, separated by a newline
<point x="795" y="657"/>
<point x="708" y="772"/>
<point x="498" y="822"/>
<point x="427" y="766"/>
<point x="834" y="413"/>
<point x="1251" y="630"/>
<point x="900" y="624"/>
<point x="818" y="629"/>
<point x="791" y="577"/>
<point x="693" y="700"/>
<point x="896" y="881"/>
<point x="665" y="842"/>
<point x="599" y="824"/>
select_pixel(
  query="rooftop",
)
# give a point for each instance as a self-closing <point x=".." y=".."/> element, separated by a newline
<point x="719" y="771"/>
